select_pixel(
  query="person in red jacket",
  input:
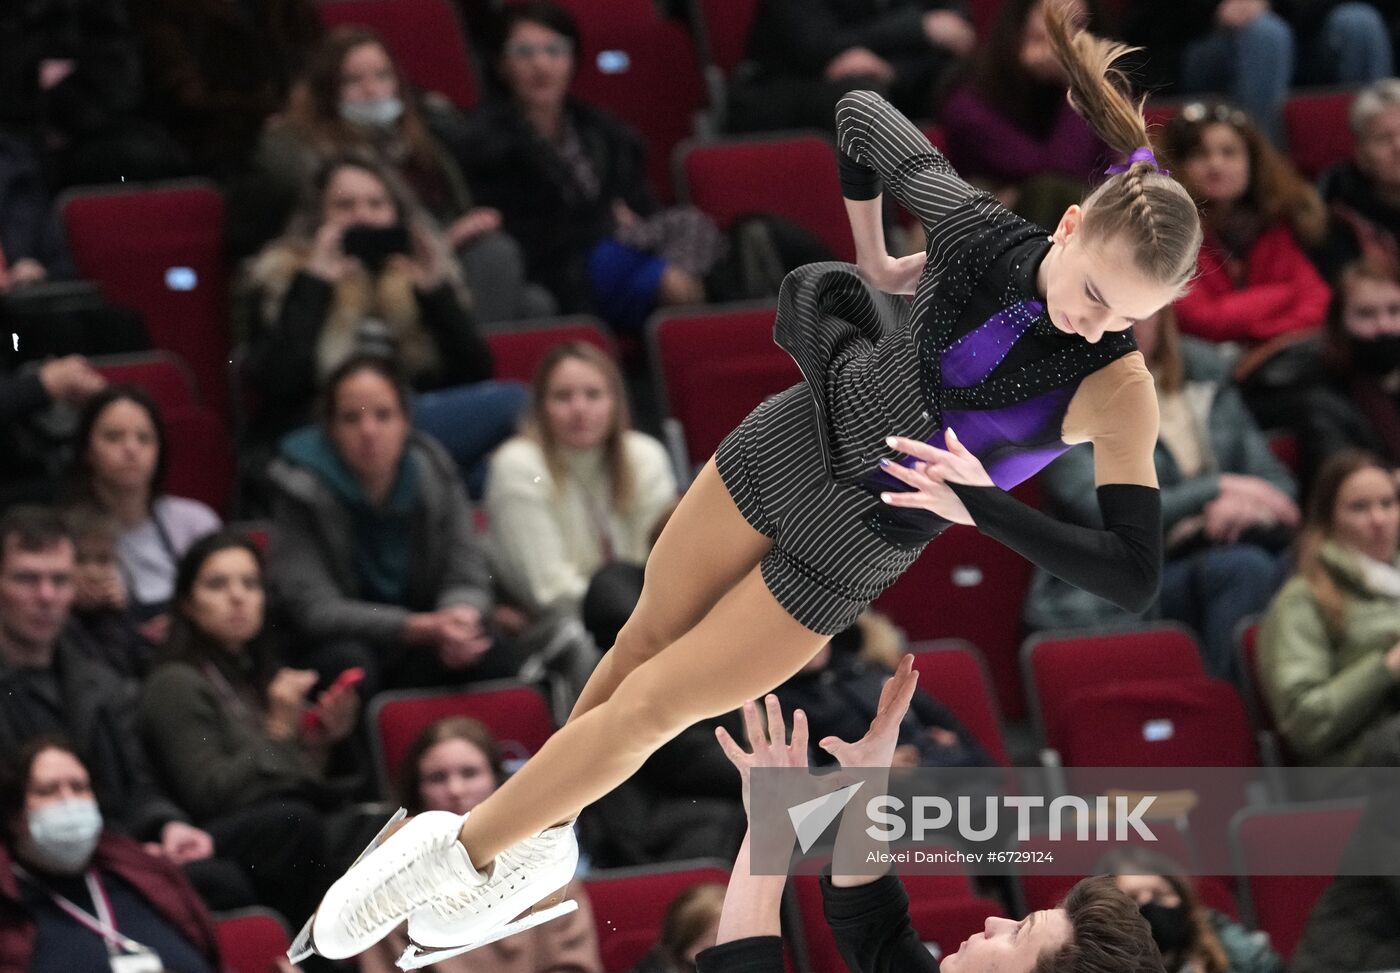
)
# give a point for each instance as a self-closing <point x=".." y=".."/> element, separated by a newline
<point x="73" y="895"/>
<point x="1255" y="281"/>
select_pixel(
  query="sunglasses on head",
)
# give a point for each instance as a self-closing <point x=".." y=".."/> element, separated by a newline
<point x="1199" y="112"/>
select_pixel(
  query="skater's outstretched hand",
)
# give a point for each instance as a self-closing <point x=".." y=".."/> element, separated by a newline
<point x="770" y="748"/>
<point x="931" y="473"/>
<point x="877" y="748"/>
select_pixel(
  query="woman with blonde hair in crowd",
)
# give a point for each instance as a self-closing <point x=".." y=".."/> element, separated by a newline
<point x="689" y="927"/>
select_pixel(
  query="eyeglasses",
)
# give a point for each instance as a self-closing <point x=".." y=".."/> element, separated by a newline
<point x="1198" y="112"/>
<point x="554" y="50"/>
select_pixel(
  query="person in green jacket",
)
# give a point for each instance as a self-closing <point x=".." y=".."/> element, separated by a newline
<point x="1329" y="649"/>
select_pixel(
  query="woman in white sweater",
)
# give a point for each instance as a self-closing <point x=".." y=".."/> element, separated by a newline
<point x="578" y="492"/>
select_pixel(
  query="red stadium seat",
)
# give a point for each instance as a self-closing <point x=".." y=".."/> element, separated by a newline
<point x="1318" y="133"/>
<point x="793" y="177"/>
<point x="726" y="26"/>
<point x="517" y="715"/>
<point x="1280" y="904"/>
<point x="424" y="37"/>
<point x="251" y="940"/>
<point x="201" y="461"/>
<point x="967" y="586"/>
<point x="644" y="70"/>
<point x="1058" y="663"/>
<point x="160" y="251"/>
<point x="952" y="672"/>
<point x="1273" y="748"/>
<point x="517" y="353"/>
<point x="1196" y="722"/>
<point x="629" y="903"/>
<point x="714" y="366"/>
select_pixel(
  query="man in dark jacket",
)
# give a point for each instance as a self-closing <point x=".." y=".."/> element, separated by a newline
<point x="804" y="54"/>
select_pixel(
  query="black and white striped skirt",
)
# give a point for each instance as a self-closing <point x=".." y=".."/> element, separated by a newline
<point x="826" y="564"/>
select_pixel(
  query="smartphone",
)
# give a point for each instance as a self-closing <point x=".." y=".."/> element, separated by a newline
<point x="311" y="721"/>
<point x="374" y="245"/>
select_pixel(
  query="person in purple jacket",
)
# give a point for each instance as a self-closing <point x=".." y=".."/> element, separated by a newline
<point x="1097" y="929"/>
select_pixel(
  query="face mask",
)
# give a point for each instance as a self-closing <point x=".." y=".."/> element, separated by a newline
<point x="62" y="836"/>
<point x="1377" y="356"/>
<point x="1171" y="926"/>
<point x="380" y="113"/>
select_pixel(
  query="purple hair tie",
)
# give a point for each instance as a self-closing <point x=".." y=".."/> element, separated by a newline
<point x="1143" y="154"/>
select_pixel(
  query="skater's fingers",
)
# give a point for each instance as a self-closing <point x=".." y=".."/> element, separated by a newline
<point x="753" y="728"/>
<point x="917" y="499"/>
<point x="777" y="727"/>
<point x="732" y="750"/>
<point x="918" y="477"/>
<point x="915" y="448"/>
<point x="799" y="735"/>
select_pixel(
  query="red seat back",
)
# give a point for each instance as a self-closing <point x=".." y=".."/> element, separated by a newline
<point x="791" y="177"/>
<point x="1281" y="904"/>
<point x="517" y="715"/>
<point x="1196" y="722"/>
<point x="1059" y="663"/>
<point x="1318" y="133"/>
<point x="251" y="941"/>
<point x="516" y="353"/>
<point x="160" y="252"/>
<point x="727" y="25"/>
<point x="424" y="37"/>
<point x="952" y="672"/>
<point x="714" y="367"/>
<point x="967" y="586"/>
<point x="629" y="904"/>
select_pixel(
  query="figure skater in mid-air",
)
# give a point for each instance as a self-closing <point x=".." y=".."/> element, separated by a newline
<point x="911" y="416"/>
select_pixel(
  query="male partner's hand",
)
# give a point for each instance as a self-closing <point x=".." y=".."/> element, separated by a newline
<point x="881" y="741"/>
<point x="770" y="748"/>
<point x="934" y="470"/>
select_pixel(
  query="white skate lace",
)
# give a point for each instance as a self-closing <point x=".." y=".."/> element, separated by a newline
<point x="417" y="881"/>
<point x="510" y="869"/>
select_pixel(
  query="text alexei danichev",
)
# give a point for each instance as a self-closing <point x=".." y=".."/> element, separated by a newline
<point x="951" y="856"/>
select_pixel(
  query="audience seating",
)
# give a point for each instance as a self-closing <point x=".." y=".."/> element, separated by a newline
<point x="792" y="177"/>
<point x="1057" y="663"/>
<point x="725" y="27"/>
<point x="1318" y="133"/>
<point x="251" y="940"/>
<point x="712" y="367"/>
<point x="629" y="904"/>
<point x="424" y="36"/>
<point x="1313" y="835"/>
<point x="160" y="251"/>
<point x="967" y="586"/>
<point x="517" y="350"/>
<point x="952" y="671"/>
<point x="1272" y="747"/>
<point x="201" y="461"/>
<point x="516" y="714"/>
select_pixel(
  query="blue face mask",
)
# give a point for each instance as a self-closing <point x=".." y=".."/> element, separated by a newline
<point x="63" y="836"/>
<point x="380" y="113"/>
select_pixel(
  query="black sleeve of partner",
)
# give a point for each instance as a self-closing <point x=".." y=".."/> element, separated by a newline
<point x="1122" y="563"/>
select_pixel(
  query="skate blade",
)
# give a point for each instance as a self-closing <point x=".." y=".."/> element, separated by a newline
<point x="415" y="958"/>
<point x="302" y="947"/>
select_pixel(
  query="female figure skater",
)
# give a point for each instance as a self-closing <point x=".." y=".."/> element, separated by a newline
<point x="1017" y="340"/>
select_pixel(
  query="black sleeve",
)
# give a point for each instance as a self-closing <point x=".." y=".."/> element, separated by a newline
<point x="465" y="354"/>
<point x="1122" y="563"/>
<point x="21" y="395"/>
<point x="872" y="927"/>
<point x="756" y="954"/>
<point x="283" y="355"/>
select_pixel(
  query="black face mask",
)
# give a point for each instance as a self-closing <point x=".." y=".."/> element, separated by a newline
<point x="1171" y="926"/>
<point x="1376" y="356"/>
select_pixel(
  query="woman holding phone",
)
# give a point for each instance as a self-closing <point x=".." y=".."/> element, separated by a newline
<point x="362" y="270"/>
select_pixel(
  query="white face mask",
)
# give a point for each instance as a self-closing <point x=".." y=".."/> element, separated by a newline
<point x="63" y="836"/>
<point x="380" y="113"/>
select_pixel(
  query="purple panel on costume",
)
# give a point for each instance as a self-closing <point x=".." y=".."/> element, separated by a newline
<point x="970" y="359"/>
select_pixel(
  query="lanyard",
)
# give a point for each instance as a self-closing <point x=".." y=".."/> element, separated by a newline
<point x="103" y="924"/>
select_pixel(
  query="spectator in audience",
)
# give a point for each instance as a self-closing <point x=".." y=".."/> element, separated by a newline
<point x="101" y="607"/>
<point x="690" y="925"/>
<point x="235" y="733"/>
<point x="31" y="244"/>
<point x="1329" y="649"/>
<point x="52" y="687"/>
<point x="216" y="70"/>
<point x="373" y="552"/>
<point x="452" y="766"/>
<point x="803" y="55"/>
<point x="1009" y="125"/>
<point x="570" y="183"/>
<point x="1192" y="937"/>
<point x="28" y="467"/>
<point x="578" y="493"/>
<point x="840" y="693"/>
<point x="321" y="298"/>
<point x="1228" y="505"/>
<point x="1363" y="193"/>
<point x="354" y="99"/>
<point x="1253" y="54"/>
<point x="119" y="467"/>
<point x="57" y="854"/>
